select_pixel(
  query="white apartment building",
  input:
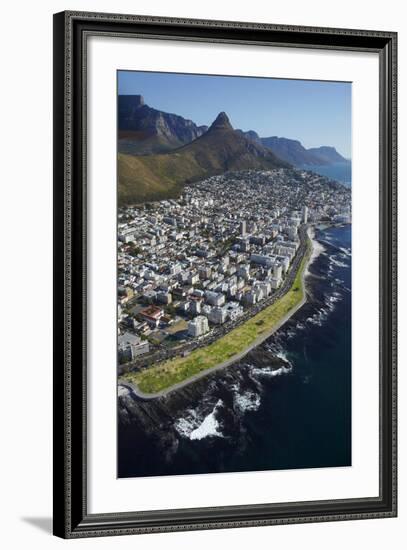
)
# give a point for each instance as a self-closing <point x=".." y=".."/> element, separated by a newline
<point x="198" y="326"/>
<point x="127" y="235"/>
<point x="260" y="259"/>
<point x="214" y="298"/>
<point x="218" y="315"/>
<point x="130" y="346"/>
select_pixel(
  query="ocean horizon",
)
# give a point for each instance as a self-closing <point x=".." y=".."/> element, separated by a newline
<point x="340" y="171"/>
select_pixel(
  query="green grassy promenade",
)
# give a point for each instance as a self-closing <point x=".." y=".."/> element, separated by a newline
<point x="164" y="375"/>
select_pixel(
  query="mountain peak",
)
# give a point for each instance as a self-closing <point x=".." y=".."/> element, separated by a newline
<point x="139" y="100"/>
<point x="135" y="100"/>
<point x="221" y="122"/>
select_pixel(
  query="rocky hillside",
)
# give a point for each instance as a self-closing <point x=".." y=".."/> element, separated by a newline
<point x="292" y="151"/>
<point x="219" y="150"/>
<point x="144" y="130"/>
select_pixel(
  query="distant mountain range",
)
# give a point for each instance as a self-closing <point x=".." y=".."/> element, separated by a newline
<point x="159" y="152"/>
<point x="292" y="151"/>
<point x="220" y="149"/>
<point x="327" y="155"/>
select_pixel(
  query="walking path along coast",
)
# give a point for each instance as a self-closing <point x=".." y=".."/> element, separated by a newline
<point x="161" y="379"/>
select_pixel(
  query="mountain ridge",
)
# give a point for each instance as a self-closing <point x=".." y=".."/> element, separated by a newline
<point x="327" y="153"/>
<point x="219" y="150"/>
<point x="145" y="130"/>
<point x="292" y="151"/>
<point x="159" y="152"/>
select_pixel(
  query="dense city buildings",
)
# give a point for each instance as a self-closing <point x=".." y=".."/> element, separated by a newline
<point x="192" y="267"/>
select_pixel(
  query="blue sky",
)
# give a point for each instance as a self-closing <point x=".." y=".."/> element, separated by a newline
<point x="314" y="112"/>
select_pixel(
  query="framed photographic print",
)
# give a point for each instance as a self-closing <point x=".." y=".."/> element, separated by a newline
<point x="225" y="274"/>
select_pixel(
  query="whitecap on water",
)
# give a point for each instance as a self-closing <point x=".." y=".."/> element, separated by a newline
<point x="187" y="423"/>
<point x="209" y="427"/>
<point x="290" y="334"/>
<point x="317" y="250"/>
<point x="269" y="372"/>
<point x="319" y="317"/>
<point x="343" y="256"/>
<point x="281" y="354"/>
<point x="332" y="299"/>
<point x="122" y="390"/>
<point x="192" y="425"/>
<point x="247" y="401"/>
<point x="346" y="251"/>
<point x="337" y="263"/>
<point x="335" y="297"/>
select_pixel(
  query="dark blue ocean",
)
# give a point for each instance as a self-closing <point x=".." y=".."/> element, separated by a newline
<point x="287" y="405"/>
<point x="341" y="171"/>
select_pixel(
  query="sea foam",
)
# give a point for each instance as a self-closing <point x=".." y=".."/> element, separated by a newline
<point x="192" y="425"/>
<point x="273" y="372"/>
<point x="247" y="401"/>
<point x="209" y="427"/>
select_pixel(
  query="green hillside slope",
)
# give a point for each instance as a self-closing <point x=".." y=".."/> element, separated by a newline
<point x="219" y="150"/>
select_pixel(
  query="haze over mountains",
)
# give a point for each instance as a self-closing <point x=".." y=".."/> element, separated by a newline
<point x="159" y="152"/>
<point x="292" y="151"/>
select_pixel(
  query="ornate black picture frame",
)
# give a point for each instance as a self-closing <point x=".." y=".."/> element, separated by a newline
<point x="71" y="517"/>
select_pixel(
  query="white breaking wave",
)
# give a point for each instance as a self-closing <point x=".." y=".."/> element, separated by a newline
<point x="338" y="263"/>
<point x="247" y="401"/>
<point x="330" y="301"/>
<point x="282" y="355"/>
<point x="317" y="249"/>
<point x="122" y="390"/>
<point x="273" y="372"/>
<point x="346" y="251"/>
<point x="193" y="428"/>
<point x="319" y="317"/>
<point x="209" y="426"/>
<point x="187" y="424"/>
